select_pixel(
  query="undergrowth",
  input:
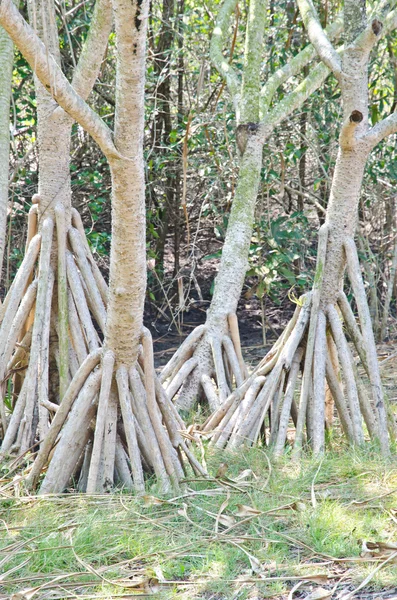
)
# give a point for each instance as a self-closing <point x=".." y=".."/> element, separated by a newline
<point x="254" y="531"/>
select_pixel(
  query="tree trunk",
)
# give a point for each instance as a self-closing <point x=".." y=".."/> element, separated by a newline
<point x="46" y="320"/>
<point x="6" y="66"/>
<point x="305" y="340"/>
<point x="206" y="348"/>
<point x="86" y="426"/>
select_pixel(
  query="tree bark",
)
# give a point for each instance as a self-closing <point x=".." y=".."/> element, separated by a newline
<point x="6" y="66"/>
<point x="336" y="252"/>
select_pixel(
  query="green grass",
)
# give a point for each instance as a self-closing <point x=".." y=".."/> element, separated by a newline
<point x="103" y="546"/>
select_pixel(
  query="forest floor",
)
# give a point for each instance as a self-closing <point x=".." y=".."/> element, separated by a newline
<point x="258" y="531"/>
<point x="318" y="530"/>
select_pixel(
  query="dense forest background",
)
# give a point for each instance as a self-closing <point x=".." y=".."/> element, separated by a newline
<point x="192" y="167"/>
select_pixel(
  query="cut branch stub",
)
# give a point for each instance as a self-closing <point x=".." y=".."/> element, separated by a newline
<point x="356" y="116"/>
<point x="377" y="26"/>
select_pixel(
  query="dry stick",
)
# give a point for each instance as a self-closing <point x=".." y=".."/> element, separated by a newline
<point x="185" y="351"/>
<point x="21" y="351"/>
<point x="227" y="367"/>
<point x="76" y="333"/>
<point x="284" y="360"/>
<point x="230" y="404"/>
<point x="153" y="409"/>
<point x="307" y="369"/>
<point x="82" y="483"/>
<point x="94" y="295"/>
<point x="365" y="404"/>
<point x="32" y="225"/>
<point x="15" y="420"/>
<point x="63" y="328"/>
<point x="309" y="413"/>
<point x="49" y="405"/>
<point x="329" y="399"/>
<point x="109" y="443"/>
<point x="43" y="363"/>
<point x="62" y="413"/>
<point x="287" y="403"/>
<point x="264" y="367"/>
<point x="223" y="388"/>
<point x="235" y="336"/>
<point x="366" y="581"/>
<point x="232" y="356"/>
<point x="275" y="409"/>
<point x="32" y="231"/>
<point x="162" y="398"/>
<point x="265" y="399"/>
<point x="17" y="289"/>
<point x="100" y="281"/>
<point x="353" y="328"/>
<point x="73" y="361"/>
<point x="221" y="418"/>
<point x="337" y="393"/>
<point x="16" y="328"/>
<point x="91" y="335"/>
<point x="320" y="353"/>
<point x="143" y="447"/>
<point x="107" y="375"/>
<point x="276" y="350"/>
<point x="354" y="272"/>
<point x="180" y="377"/>
<point x="74" y="437"/>
<point x="129" y="428"/>
<point x="121" y="466"/>
<point x="40" y="317"/>
<point x="347" y="368"/>
<point x="141" y="412"/>
<point x="171" y="423"/>
<point x="209" y="391"/>
<point x="389" y="293"/>
<point x="230" y="428"/>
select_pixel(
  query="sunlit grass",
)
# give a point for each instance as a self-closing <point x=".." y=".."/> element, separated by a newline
<point x="312" y="517"/>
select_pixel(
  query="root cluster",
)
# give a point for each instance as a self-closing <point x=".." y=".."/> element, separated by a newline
<point x="227" y="368"/>
<point x="315" y="343"/>
<point x="94" y="423"/>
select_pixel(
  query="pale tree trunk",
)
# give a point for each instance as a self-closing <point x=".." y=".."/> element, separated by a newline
<point x="210" y="360"/>
<point x="389" y="294"/>
<point x="318" y="316"/>
<point x="41" y="386"/>
<point x="114" y="421"/>
<point x="6" y="65"/>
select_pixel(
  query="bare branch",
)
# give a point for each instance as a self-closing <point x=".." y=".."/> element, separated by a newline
<point x="250" y="89"/>
<point x="51" y="76"/>
<point x="295" y="99"/>
<point x="387" y="126"/>
<point x="93" y="51"/>
<point x="318" y="37"/>
<point x="216" y="49"/>
<point x="381" y="130"/>
<point x="295" y="65"/>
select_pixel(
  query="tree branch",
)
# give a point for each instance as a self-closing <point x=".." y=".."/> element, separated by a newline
<point x="381" y="130"/>
<point x="93" y="51"/>
<point x="216" y="50"/>
<point x="296" y="98"/>
<point x="50" y="75"/>
<point x="318" y="37"/>
<point x="251" y="85"/>
<point x="294" y="66"/>
<point x="387" y="126"/>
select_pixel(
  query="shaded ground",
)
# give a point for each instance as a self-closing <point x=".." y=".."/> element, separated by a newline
<point x="258" y="531"/>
